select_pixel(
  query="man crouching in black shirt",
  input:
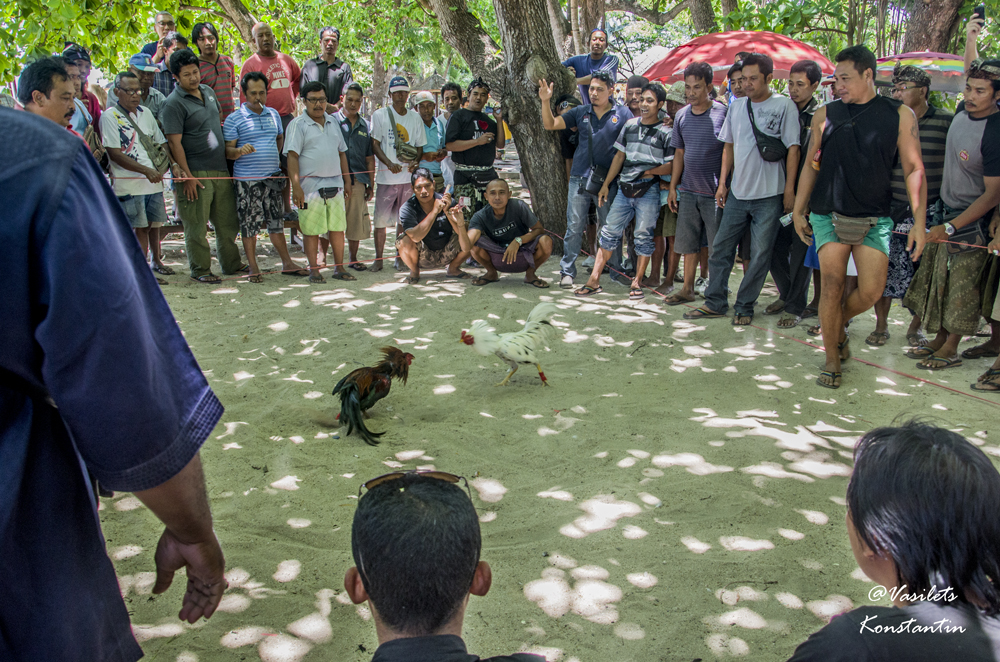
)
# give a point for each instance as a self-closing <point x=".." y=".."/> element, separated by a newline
<point x="416" y="543"/>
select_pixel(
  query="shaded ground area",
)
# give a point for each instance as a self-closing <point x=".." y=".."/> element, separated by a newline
<point x="676" y="494"/>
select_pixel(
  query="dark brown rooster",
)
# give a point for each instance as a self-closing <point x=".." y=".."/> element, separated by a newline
<point x="362" y="388"/>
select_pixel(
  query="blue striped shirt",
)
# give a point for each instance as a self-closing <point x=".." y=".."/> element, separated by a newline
<point x="261" y="130"/>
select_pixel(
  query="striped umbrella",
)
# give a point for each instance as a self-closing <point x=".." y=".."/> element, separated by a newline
<point x="947" y="71"/>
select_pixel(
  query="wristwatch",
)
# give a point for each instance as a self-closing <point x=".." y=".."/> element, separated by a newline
<point x="518" y="240"/>
<point x="949" y="229"/>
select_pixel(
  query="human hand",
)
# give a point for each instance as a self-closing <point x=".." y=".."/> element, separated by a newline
<point x="205" y="567"/>
<point x="369" y="193"/>
<point x="937" y="234"/>
<point x="487" y="138"/>
<point x="510" y="254"/>
<point x="974" y="27"/>
<point x="412" y="167"/>
<point x="545" y="89"/>
<point x="672" y="199"/>
<point x="720" y="195"/>
<point x="347" y="194"/>
<point x="395" y="168"/>
<point x="246" y="149"/>
<point x="153" y="176"/>
<point x="789" y="201"/>
<point x="572" y="70"/>
<point x="916" y="239"/>
<point x="498" y="114"/>
<point x="602" y="195"/>
<point x="298" y="197"/>
<point x="802" y="228"/>
<point x="994" y="246"/>
<point x="440" y="204"/>
<point x="191" y="186"/>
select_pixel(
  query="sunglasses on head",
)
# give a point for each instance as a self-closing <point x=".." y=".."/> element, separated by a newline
<point x="395" y="475"/>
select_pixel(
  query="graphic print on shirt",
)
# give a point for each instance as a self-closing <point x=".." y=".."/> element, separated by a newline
<point x="278" y="77"/>
<point x="404" y="135"/>
<point x="129" y="140"/>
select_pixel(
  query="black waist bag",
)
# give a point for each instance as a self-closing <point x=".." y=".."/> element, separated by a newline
<point x="771" y="149"/>
<point x="636" y="189"/>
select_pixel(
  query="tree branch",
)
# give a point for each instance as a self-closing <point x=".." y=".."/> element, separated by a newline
<point x="653" y="16"/>
<point x="203" y="9"/>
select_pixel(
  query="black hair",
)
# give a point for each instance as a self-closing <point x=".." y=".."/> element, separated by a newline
<point x="328" y="28"/>
<point x="199" y="28"/>
<point x="454" y="87"/>
<point x="764" y="63"/>
<point x="182" y="58"/>
<point x="928" y="498"/>
<point x="569" y="99"/>
<point x="312" y="86"/>
<point x="421" y="173"/>
<point x="737" y="66"/>
<point x="479" y="82"/>
<point x="657" y="90"/>
<point x="809" y="68"/>
<point x="605" y="78"/>
<point x="416" y="543"/>
<point x="741" y="55"/>
<point x="252" y="75"/>
<point x="701" y="70"/>
<point x="40" y="75"/>
<point x="175" y="37"/>
<point x="975" y="72"/>
<point x="355" y="87"/>
<point x="601" y="30"/>
<point x="122" y="76"/>
<point x="861" y="57"/>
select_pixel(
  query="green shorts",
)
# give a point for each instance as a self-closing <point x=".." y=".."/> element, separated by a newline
<point x="666" y="223"/>
<point x="877" y="237"/>
<point x="323" y="215"/>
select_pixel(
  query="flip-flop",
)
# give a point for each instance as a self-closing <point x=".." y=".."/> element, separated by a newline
<point x="833" y="377"/>
<point x="340" y="275"/>
<point x="920" y="353"/>
<point x="702" y="314"/>
<point x="587" y="291"/>
<point x="738" y="320"/>
<point x="809" y="312"/>
<point x="461" y="275"/>
<point x="255" y="278"/>
<point x="789" y="321"/>
<point x="636" y="294"/>
<point x="318" y="278"/>
<point x="989" y="375"/>
<point x="300" y="273"/>
<point x="676" y="300"/>
<point x="358" y="266"/>
<point x="877" y="338"/>
<point x="815" y="331"/>
<point x="978" y="352"/>
<point x="483" y="280"/>
<point x="163" y="269"/>
<point x="947" y="363"/>
<point x="917" y="339"/>
<point x="986" y="386"/>
<point x="210" y="279"/>
<point x="538" y="282"/>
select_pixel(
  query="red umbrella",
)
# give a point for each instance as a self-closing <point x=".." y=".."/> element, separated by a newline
<point x="719" y="49"/>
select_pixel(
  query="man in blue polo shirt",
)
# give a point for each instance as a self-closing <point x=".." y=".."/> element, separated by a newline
<point x="598" y="124"/>
<point x="254" y="139"/>
<point x="585" y="66"/>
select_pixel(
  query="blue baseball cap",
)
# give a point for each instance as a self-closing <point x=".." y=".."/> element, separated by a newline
<point x="143" y="62"/>
<point x="398" y="84"/>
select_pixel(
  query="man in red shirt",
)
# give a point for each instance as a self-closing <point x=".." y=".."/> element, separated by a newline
<point x="282" y="83"/>
<point x="217" y="71"/>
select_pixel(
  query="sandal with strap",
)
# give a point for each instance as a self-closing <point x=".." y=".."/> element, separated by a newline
<point x="835" y="379"/>
<point x="877" y="338"/>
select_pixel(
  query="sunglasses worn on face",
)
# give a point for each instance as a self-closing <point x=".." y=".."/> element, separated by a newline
<point x="395" y="475"/>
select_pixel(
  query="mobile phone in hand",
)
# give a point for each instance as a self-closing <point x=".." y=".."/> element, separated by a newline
<point x="980" y="12"/>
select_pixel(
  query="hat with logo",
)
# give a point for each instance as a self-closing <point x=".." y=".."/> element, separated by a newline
<point x="398" y="84"/>
<point x="143" y="62"/>
<point x="421" y="97"/>
<point x="676" y="93"/>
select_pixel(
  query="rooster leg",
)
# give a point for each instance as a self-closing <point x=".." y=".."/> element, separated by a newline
<point x="510" y="373"/>
<point x="541" y="374"/>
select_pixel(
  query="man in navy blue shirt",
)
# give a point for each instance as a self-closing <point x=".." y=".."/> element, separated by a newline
<point x="585" y="66"/>
<point x="78" y="350"/>
<point x="599" y="124"/>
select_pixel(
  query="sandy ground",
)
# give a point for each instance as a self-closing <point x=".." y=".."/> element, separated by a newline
<point x="676" y="494"/>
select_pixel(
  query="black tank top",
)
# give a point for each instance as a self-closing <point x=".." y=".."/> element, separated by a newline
<point x="855" y="175"/>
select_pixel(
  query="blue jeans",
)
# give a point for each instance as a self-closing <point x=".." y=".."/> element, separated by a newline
<point x="645" y="209"/>
<point x="762" y="217"/>
<point x="577" y="205"/>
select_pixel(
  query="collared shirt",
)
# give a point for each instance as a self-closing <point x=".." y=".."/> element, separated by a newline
<point x="605" y="132"/>
<point x="221" y="77"/>
<point x="154" y="100"/>
<point x="164" y="81"/>
<point x="319" y="149"/>
<point x="117" y="132"/>
<point x="645" y="147"/>
<point x="260" y="130"/>
<point x="338" y="76"/>
<point x="359" y="146"/>
<point x="282" y="80"/>
<point x="97" y="346"/>
<point x="435" y="142"/>
<point x="438" y="648"/>
<point x="197" y="120"/>
<point x="933" y="128"/>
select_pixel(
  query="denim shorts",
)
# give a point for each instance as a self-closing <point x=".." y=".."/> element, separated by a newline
<point x="144" y="211"/>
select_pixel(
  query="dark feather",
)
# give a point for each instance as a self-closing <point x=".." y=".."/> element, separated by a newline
<point x="360" y="389"/>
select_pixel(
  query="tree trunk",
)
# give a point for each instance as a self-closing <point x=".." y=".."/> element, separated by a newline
<point x="729" y="6"/>
<point x="380" y="81"/>
<point x="562" y="31"/>
<point x="574" y="21"/>
<point x="528" y="54"/>
<point x="593" y="17"/>
<point x="703" y="16"/>
<point x="931" y="25"/>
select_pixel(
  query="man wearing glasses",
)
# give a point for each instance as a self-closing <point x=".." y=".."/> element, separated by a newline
<point x="142" y="66"/>
<point x="164" y="24"/>
<point x="416" y="545"/>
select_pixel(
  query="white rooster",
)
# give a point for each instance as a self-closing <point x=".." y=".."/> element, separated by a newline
<point x="518" y="348"/>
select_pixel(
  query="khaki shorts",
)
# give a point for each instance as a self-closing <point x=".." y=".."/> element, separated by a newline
<point x="666" y="224"/>
<point x="323" y="215"/>
<point x="429" y="259"/>
<point x="359" y="223"/>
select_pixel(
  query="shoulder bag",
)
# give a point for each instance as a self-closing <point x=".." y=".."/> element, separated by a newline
<point x="973" y="234"/>
<point x="598" y="174"/>
<point x="96" y="148"/>
<point x="156" y="153"/>
<point x="771" y="149"/>
<point x="404" y="151"/>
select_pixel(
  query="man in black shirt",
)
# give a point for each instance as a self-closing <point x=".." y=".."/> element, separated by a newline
<point x="473" y="138"/>
<point x="506" y="236"/>
<point x="416" y="543"/>
<point x="434" y="234"/>
<point x="329" y="69"/>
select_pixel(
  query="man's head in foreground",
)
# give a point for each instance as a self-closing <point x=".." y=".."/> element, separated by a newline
<point x="416" y="545"/>
<point x="44" y="88"/>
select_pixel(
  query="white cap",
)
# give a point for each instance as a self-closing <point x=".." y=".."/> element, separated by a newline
<point x="421" y="97"/>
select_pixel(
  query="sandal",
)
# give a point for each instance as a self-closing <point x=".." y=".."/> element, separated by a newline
<point x="163" y="269"/>
<point x="483" y="280"/>
<point x="297" y="273"/>
<point x="162" y="281"/>
<point x="677" y="299"/>
<point x="256" y="278"/>
<point x="538" y="282"/>
<point x="917" y="339"/>
<point x="636" y="293"/>
<point x="815" y="331"/>
<point x="358" y="266"/>
<point x="980" y="352"/>
<point x="775" y="308"/>
<point x="988" y="375"/>
<point x="702" y="314"/>
<point x="318" y="278"/>
<point x="742" y="320"/>
<point x="789" y="321"/>
<point x="587" y="291"/>
<point x="809" y="312"/>
<point x="209" y="278"/>
<point x="877" y="338"/>
<point x="341" y="275"/>
<point x="942" y="363"/>
<point x="835" y="379"/>
<point x="461" y="275"/>
<point x="986" y="386"/>
<point x="920" y="353"/>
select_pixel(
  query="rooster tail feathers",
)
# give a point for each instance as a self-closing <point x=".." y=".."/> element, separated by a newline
<point x="542" y="312"/>
<point x="350" y="412"/>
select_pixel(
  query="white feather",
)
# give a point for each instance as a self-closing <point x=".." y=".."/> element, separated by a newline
<point x="519" y="346"/>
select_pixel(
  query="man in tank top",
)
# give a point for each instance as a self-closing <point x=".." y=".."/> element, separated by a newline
<point x="846" y="185"/>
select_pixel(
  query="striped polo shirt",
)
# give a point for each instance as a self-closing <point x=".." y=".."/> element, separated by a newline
<point x="260" y="130"/>
<point x="221" y="77"/>
<point x="933" y="128"/>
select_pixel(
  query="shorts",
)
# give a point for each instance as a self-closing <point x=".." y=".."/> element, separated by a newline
<point x="359" y="223"/>
<point x="429" y="259"/>
<point x="144" y="211"/>
<point x="323" y="215"/>
<point x="877" y="237"/>
<point x="524" y="260"/>
<point x="666" y="224"/>
<point x="258" y="206"/>
<point x="389" y="198"/>
<point x="283" y="158"/>
<point x="695" y="214"/>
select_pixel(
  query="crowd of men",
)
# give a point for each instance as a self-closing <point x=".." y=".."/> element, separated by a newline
<point x="842" y="195"/>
